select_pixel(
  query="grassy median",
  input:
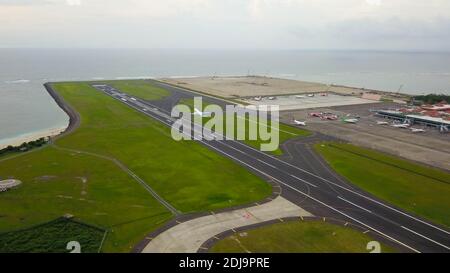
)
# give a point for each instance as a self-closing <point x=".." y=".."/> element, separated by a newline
<point x="140" y="88"/>
<point x="416" y="188"/>
<point x="285" y="132"/>
<point x="95" y="191"/>
<point x="297" y="237"/>
<point x="188" y="175"/>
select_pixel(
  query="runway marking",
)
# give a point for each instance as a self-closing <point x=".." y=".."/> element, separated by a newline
<point x="342" y="213"/>
<point x="271" y="127"/>
<point x="270" y="165"/>
<point x="316" y="200"/>
<point x="298" y="178"/>
<point x="349" y="190"/>
<point x="358" y="206"/>
<point x="262" y="161"/>
<point x="354" y="219"/>
<point x="425" y="237"/>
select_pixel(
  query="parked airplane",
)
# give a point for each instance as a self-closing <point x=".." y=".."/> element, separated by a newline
<point x="310" y="95"/>
<point x="382" y="123"/>
<point x="301" y="123"/>
<point x="329" y="117"/>
<point x="403" y="125"/>
<point x="202" y="114"/>
<point x="415" y="130"/>
<point x="271" y="98"/>
<point x="350" y="120"/>
<point x="300" y="97"/>
<point x="316" y="114"/>
<point x="257" y="98"/>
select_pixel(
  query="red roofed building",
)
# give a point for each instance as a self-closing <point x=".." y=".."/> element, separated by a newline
<point x="437" y="107"/>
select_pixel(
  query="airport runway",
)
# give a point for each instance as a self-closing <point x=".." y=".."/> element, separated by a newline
<point x="307" y="181"/>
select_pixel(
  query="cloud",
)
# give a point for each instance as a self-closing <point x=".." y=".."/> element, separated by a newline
<point x="395" y="24"/>
<point x="23" y="2"/>
<point x="374" y="2"/>
<point x="73" y="2"/>
<point x="39" y="2"/>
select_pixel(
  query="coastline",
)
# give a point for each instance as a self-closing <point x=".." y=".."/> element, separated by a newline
<point x="17" y="141"/>
<point x="53" y="133"/>
<point x="74" y="117"/>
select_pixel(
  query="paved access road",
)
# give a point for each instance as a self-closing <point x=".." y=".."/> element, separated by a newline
<point x="307" y="182"/>
<point x="188" y="236"/>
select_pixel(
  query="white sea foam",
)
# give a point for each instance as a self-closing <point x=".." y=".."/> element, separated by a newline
<point x="183" y="77"/>
<point x="132" y="78"/>
<point x="286" y="75"/>
<point x="17" y="81"/>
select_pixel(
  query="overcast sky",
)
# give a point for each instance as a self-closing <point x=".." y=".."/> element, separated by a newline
<point x="231" y="24"/>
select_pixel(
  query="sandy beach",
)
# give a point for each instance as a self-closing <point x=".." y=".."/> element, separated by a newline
<point x="17" y="141"/>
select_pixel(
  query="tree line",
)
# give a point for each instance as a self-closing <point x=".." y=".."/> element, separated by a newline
<point x="24" y="146"/>
<point x="432" y="98"/>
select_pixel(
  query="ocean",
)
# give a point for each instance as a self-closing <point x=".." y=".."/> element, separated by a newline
<point x="26" y="108"/>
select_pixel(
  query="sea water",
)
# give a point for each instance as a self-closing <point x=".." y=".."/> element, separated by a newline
<point x="26" y="108"/>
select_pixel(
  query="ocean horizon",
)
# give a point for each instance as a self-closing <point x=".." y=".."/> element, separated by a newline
<point x="26" y="107"/>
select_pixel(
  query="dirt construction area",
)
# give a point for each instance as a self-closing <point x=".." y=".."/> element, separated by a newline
<point x="248" y="86"/>
<point x="430" y="147"/>
<point x="295" y="102"/>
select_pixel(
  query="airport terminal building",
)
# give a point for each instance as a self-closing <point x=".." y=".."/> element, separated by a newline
<point x="440" y="123"/>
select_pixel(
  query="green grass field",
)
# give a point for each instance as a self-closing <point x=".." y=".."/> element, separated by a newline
<point x="186" y="174"/>
<point x="140" y="88"/>
<point x="52" y="237"/>
<point x="419" y="189"/>
<point x="286" y="132"/>
<point x="297" y="237"/>
<point x="94" y="189"/>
